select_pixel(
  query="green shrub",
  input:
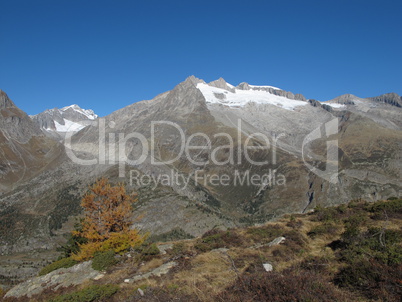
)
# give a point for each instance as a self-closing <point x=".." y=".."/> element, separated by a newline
<point x="178" y="249"/>
<point x="325" y="214"/>
<point x="357" y="204"/>
<point x="295" y="224"/>
<point x="357" y="220"/>
<point x="288" y="285"/>
<point x="315" y="263"/>
<point x="62" y="263"/>
<point x="73" y="243"/>
<point x="376" y="281"/>
<point x="88" y="294"/>
<point x="175" y="234"/>
<point x="373" y="261"/>
<point x="151" y="250"/>
<point x="217" y="239"/>
<point x="146" y="251"/>
<point x="352" y="233"/>
<point x="265" y="233"/>
<point x="103" y="260"/>
<point x="391" y="208"/>
<point x="383" y="245"/>
<point x="323" y="229"/>
<point x="342" y="208"/>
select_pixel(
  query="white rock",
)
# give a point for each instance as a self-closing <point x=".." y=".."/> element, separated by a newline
<point x="100" y="276"/>
<point x="268" y="267"/>
<point x="277" y="241"/>
<point x="163" y="247"/>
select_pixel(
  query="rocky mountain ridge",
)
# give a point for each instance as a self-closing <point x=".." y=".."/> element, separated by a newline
<point x="56" y="122"/>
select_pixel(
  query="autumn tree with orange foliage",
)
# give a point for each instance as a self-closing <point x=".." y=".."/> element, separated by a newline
<point x="106" y="223"/>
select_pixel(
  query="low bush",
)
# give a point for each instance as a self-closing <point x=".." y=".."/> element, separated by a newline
<point x="88" y="294"/>
<point x="265" y="233"/>
<point x="165" y="293"/>
<point x="315" y="263"/>
<point x="103" y="260"/>
<point x="294" y="239"/>
<point x="323" y="229"/>
<point x="372" y="257"/>
<point x="294" y="223"/>
<point x="150" y="250"/>
<point x="175" y="234"/>
<point x="325" y="214"/>
<point x="62" y="263"/>
<point x="372" y="279"/>
<point x="357" y="204"/>
<point x="178" y="249"/>
<point x="294" y="246"/>
<point x="146" y="251"/>
<point x="74" y="241"/>
<point x="285" y="286"/>
<point x="217" y="239"/>
<point x="385" y="209"/>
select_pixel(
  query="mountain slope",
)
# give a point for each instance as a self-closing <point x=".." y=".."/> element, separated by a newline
<point x="24" y="151"/>
<point x="352" y="252"/>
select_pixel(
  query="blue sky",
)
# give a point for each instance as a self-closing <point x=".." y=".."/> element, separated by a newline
<point x="105" y="55"/>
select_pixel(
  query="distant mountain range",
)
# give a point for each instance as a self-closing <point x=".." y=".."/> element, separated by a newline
<point x="201" y="156"/>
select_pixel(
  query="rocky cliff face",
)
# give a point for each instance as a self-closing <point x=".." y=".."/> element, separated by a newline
<point x="389" y="98"/>
<point x="15" y="124"/>
<point x="217" y="183"/>
<point x="24" y="149"/>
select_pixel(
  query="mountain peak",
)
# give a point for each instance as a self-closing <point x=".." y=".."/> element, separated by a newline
<point x="73" y="106"/>
<point x="75" y="109"/>
<point x="345" y="99"/>
<point x="221" y="83"/>
<point x="388" y="98"/>
<point x="5" y="101"/>
<point x="193" y="80"/>
<point x="69" y="118"/>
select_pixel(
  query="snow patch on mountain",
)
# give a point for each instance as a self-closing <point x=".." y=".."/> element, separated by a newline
<point x="240" y="98"/>
<point x="87" y="112"/>
<point x="255" y="86"/>
<point x="68" y="126"/>
<point x="335" y="105"/>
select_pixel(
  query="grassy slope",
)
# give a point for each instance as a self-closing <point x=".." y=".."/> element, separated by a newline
<point x="347" y="253"/>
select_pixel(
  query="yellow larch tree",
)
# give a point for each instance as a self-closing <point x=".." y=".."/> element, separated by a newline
<point x="107" y="219"/>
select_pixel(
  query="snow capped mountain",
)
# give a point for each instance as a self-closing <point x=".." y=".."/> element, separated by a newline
<point x="250" y="94"/>
<point x="56" y="122"/>
<point x="85" y="112"/>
